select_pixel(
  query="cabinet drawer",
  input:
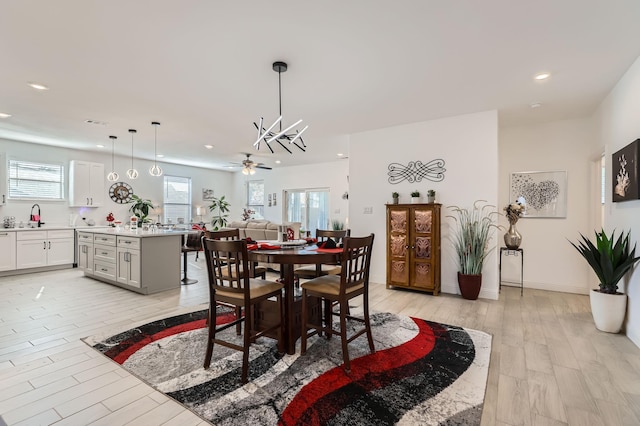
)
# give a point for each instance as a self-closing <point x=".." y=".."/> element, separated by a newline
<point x="105" y="253"/>
<point x="60" y="233"/>
<point x="85" y="237"/>
<point x="105" y="270"/>
<point x="31" y="235"/>
<point x="109" y="240"/>
<point x="130" y="242"/>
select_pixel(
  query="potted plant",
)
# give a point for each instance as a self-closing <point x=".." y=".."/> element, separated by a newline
<point x="336" y="225"/>
<point x="395" y="197"/>
<point x="471" y="242"/>
<point x="415" y="197"/>
<point x="610" y="261"/>
<point x="220" y="209"/>
<point x="431" y="196"/>
<point x="141" y="208"/>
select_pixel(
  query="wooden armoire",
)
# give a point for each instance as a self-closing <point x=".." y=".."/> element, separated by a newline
<point x="413" y="246"/>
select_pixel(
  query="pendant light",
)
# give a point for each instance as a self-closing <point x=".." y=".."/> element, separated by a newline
<point x="155" y="170"/>
<point x="280" y="136"/>
<point x="132" y="173"/>
<point x="113" y="176"/>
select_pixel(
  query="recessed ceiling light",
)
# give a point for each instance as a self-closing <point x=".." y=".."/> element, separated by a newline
<point x="535" y="105"/>
<point x="96" y="122"/>
<point x="38" y="86"/>
<point x="160" y="155"/>
<point x="4" y="115"/>
<point x="100" y="146"/>
<point x="340" y="154"/>
<point x="278" y="161"/>
<point x="542" y="76"/>
<point x="208" y="146"/>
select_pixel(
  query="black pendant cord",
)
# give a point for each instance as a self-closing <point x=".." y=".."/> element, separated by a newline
<point x="280" y="96"/>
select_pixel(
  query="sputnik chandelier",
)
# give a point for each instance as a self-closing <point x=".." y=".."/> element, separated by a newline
<point x="281" y="137"/>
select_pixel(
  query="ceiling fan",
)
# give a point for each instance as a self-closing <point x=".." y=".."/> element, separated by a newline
<point x="249" y="166"/>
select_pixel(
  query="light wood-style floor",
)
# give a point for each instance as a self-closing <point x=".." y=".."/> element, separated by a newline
<point x="549" y="365"/>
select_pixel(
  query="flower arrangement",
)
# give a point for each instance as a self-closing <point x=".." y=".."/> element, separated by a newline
<point x="513" y="212"/>
<point x="246" y="214"/>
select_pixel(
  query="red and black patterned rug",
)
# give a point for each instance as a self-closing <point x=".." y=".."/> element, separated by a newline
<point x="421" y="373"/>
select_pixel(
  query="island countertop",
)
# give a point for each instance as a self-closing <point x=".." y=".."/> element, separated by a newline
<point x="136" y="233"/>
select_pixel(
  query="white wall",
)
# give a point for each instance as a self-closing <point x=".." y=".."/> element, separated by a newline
<point x="332" y="175"/>
<point x="469" y="146"/>
<point x="146" y="186"/>
<point x="618" y="122"/>
<point x="550" y="262"/>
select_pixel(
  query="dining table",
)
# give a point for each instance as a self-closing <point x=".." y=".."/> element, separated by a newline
<point x="288" y="257"/>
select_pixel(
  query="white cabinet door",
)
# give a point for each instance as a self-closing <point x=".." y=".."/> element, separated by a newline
<point x="31" y="253"/>
<point x="7" y="251"/>
<point x="85" y="256"/>
<point x="86" y="184"/>
<point x="128" y="267"/>
<point x="60" y="251"/>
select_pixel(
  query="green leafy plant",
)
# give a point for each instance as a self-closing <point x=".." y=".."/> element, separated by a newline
<point x="610" y="261"/>
<point x="220" y="209"/>
<point x="395" y="195"/>
<point x="431" y="193"/>
<point x="415" y="193"/>
<point x="336" y="225"/>
<point x="140" y="208"/>
<point x="472" y="234"/>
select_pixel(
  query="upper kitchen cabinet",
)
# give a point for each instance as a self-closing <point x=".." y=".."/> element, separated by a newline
<point x="86" y="184"/>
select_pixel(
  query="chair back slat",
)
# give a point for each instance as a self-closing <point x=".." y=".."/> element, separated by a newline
<point x="356" y="262"/>
<point x="225" y="262"/>
<point x="336" y="235"/>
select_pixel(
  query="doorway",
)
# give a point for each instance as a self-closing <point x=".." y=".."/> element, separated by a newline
<point x="310" y="207"/>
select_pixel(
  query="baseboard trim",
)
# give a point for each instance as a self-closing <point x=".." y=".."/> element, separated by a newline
<point x="548" y="286"/>
<point x="633" y="335"/>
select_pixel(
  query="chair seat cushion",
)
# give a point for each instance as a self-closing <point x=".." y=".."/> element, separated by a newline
<point x="258" y="288"/>
<point x="310" y="270"/>
<point x="328" y="284"/>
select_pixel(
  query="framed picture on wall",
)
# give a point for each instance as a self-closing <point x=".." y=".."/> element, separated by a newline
<point x="544" y="194"/>
<point x="207" y="194"/>
<point x="624" y="169"/>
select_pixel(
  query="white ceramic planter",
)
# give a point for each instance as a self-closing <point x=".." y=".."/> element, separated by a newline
<point x="416" y="200"/>
<point x="608" y="310"/>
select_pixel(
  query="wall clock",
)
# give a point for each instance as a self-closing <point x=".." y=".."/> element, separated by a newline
<point x="121" y="192"/>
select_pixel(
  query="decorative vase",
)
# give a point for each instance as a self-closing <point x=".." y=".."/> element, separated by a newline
<point x="512" y="238"/>
<point x="431" y="199"/>
<point x="395" y="200"/>
<point x="608" y="310"/>
<point x="469" y="285"/>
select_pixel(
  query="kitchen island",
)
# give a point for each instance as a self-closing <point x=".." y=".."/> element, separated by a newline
<point x="142" y="261"/>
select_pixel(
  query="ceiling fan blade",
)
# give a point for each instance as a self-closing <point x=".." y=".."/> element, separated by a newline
<point x="260" y="166"/>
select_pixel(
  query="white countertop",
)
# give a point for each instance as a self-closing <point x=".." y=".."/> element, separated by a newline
<point x="51" y="228"/>
<point x="135" y="233"/>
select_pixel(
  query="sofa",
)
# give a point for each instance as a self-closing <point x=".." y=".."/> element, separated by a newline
<point x="255" y="229"/>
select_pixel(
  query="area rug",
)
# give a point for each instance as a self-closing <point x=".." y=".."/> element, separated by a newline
<point x="422" y="373"/>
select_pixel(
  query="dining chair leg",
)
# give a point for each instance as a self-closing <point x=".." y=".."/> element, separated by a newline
<point x="328" y="316"/>
<point x="211" y="335"/>
<point x="238" y="325"/>
<point x="367" y="322"/>
<point x="280" y="334"/>
<point x="303" y="320"/>
<point x="343" y="336"/>
<point x="248" y="329"/>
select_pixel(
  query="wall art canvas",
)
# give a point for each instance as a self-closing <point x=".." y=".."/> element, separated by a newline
<point x="207" y="194"/>
<point x="544" y="194"/>
<point x="624" y="167"/>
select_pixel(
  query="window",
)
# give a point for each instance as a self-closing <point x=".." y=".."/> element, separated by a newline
<point x="308" y="206"/>
<point x="28" y="180"/>
<point x="255" y="197"/>
<point x="177" y="199"/>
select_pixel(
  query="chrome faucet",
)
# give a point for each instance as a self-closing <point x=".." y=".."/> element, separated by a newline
<point x="36" y="217"/>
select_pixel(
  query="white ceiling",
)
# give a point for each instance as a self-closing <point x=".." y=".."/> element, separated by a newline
<point x="203" y="68"/>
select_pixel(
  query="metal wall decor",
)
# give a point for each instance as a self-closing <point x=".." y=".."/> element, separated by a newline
<point x="416" y="171"/>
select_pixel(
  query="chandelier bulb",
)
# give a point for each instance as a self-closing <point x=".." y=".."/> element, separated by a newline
<point x="132" y="173"/>
<point x="155" y="170"/>
<point x="112" y="177"/>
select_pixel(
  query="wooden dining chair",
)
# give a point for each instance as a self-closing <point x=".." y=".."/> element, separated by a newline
<point x="226" y="261"/>
<point x="234" y="234"/>
<point x="312" y="271"/>
<point x="353" y="281"/>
